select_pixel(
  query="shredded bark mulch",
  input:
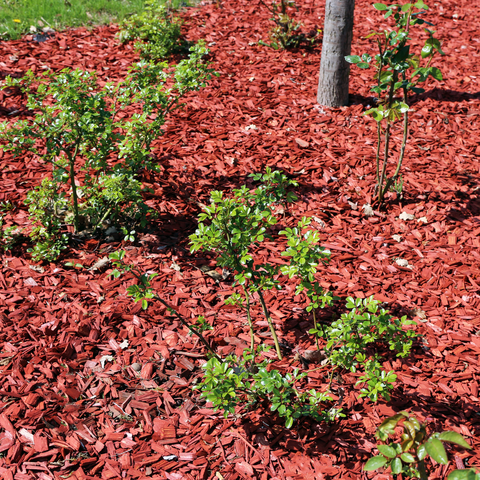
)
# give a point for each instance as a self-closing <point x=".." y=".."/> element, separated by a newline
<point x="91" y="386"/>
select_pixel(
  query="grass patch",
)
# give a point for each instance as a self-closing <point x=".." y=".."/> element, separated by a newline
<point x="17" y="16"/>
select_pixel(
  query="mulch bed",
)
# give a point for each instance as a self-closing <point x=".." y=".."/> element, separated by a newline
<point x="78" y="402"/>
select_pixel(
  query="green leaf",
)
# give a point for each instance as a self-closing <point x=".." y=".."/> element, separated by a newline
<point x="402" y="54"/>
<point x="426" y="50"/>
<point x="389" y="424"/>
<point x="463" y="475"/>
<point x="380" y="6"/>
<point x="407" y="457"/>
<point x="375" y="463"/>
<point x="420" y="5"/>
<point x="396" y="466"/>
<point x="421" y="452"/>
<point x="436" y="73"/>
<point x="353" y="58"/>
<point x="387" y="450"/>
<point x="289" y="422"/>
<point x="454" y="437"/>
<point x="436" y="450"/>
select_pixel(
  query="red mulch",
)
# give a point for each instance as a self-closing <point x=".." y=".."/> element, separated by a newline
<point x="66" y="412"/>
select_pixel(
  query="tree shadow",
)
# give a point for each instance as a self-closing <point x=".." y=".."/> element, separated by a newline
<point x="442" y="94"/>
<point x="439" y="94"/>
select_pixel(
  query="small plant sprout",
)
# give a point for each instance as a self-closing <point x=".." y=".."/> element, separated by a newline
<point x="286" y="32"/>
<point x="408" y="454"/>
<point x="235" y="226"/>
<point x="398" y="69"/>
<point x="305" y="255"/>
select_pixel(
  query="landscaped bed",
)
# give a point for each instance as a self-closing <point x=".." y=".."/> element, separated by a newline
<point x="93" y="386"/>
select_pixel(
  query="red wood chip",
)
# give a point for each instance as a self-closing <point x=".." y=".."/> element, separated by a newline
<point x="302" y="143"/>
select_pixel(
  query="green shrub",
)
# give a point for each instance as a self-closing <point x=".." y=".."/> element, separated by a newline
<point x="407" y="456"/>
<point x="366" y="325"/>
<point x="398" y="70"/>
<point x="247" y="382"/>
<point x="77" y="129"/>
<point x="156" y="30"/>
<point x="234" y="228"/>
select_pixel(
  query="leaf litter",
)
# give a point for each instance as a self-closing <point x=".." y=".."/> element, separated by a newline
<point x="91" y="386"/>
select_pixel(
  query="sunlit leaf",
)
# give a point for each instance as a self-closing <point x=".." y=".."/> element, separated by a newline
<point x="436" y="450"/>
<point x="375" y="463"/>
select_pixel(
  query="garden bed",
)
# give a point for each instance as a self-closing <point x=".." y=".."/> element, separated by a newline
<point x="77" y="401"/>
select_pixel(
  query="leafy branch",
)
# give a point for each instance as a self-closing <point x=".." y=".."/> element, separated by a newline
<point x="398" y="70"/>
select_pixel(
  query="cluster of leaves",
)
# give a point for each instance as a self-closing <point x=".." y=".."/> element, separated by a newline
<point x="77" y="129"/>
<point x="363" y="326"/>
<point x="8" y="235"/>
<point x="234" y="228"/>
<point x="248" y="381"/>
<point x="156" y="30"/>
<point x="238" y="225"/>
<point x="398" y="70"/>
<point x="305" y="254"/>
<point x="407" y="456"/>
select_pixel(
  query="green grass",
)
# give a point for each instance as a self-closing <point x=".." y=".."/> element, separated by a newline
<point x="17" y="16"/>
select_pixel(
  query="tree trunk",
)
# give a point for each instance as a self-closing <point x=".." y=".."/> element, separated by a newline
<point x="337" y="41"/>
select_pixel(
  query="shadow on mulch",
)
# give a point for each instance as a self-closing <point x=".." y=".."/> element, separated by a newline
<point x="445" y="95"/>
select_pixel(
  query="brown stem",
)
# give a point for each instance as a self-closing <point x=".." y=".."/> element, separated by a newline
<point x="404" y="143"/>
<point x="387" y="140"/>
<point x="249" y="318"/>
<point x="186" y="324"/>
<point x="377" y="157"/>
<point x="379" y="131"/>
<point x="315" y="326"/>
<point x="267" y="7"/>
<point x="385" y="160"/>
<point x="71" y="161"/>
<point x="270" y="324"/>
<point x="138" y="276"/>
<point x="331" y="378"/>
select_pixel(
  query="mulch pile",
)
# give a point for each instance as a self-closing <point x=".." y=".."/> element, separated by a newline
<point x="91" y="386"/>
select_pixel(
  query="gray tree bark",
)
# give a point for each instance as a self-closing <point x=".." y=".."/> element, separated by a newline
<point x="337" y="42"/>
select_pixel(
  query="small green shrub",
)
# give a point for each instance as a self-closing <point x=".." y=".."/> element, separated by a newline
<point x="234" y="228"/>
<point x="398" y="70"/>
<point x="407" y="456"/>
<point x="77" y="130"/>
<point x="286" y="32"/>
<point x="247" y="381"/>
<point x="156" y="30"/>
<point x="366" y="325"/>
<point x="237" y="225"/>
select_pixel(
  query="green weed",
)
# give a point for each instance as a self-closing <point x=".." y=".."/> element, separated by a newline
<point x="407" y="455"/>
